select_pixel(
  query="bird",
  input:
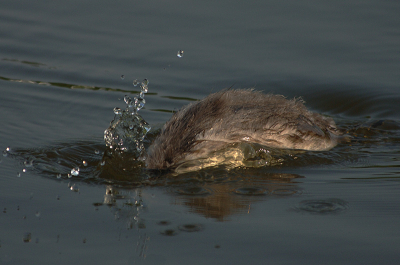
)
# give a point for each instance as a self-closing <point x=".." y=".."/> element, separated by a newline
<point x="240" y="116"/>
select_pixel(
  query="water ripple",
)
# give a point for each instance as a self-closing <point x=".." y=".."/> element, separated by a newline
<point x="324" y="206"/>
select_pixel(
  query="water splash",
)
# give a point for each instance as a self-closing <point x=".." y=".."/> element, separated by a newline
<point x="117" y="111"/>
<point x="180" y="53"/>
<point x="5" y="152"/>
<point x="75" y="171"/>
<point x="128" y="129"/>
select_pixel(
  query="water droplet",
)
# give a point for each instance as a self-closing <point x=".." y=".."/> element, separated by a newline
<point x="122" y="77"/>
<point x="75" y="171"/>
<point x="96" y="152"/>
<point x="140" y="103"/>
<point x="144" y="87"/>
<point x="85" y="163"/>
<point x="135" y="82"/>
<point x="18" y="174"/>
<point x="128" y="100"/>
<point x="117" y="111"/>
<point x="145" y="82"/>
<point x="180" y="53"/>
<point x="69" y="176"/>
<point x="74" y="188"/>
<point x="24" y="170"/>
<point x="8" y="149"/>
<point x="59" y="176"/>
<point x="5" y="153"/>
<point x="28" y="163"/>
<point x="37" y="214"/>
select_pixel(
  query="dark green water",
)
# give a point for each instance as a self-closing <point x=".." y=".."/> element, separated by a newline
<point x="60" y="78"/>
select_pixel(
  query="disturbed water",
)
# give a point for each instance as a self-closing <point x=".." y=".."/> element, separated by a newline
<point x="65" y="68"/>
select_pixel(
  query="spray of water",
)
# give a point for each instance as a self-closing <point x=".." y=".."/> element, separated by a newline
<point x="128" y="129"/>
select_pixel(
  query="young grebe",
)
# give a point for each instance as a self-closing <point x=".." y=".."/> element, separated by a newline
<point x="242" y="115"/>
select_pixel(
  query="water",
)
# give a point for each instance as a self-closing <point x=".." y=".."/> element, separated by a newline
<point x="128" y="129"/>
<point x="75" y="171"/>
<point x="180" y="53"/>
<point x="65" y="67"/>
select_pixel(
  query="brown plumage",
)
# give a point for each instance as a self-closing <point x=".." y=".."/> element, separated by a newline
<point x="232" y="116"/>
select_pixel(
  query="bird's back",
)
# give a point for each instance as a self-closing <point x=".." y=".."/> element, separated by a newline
<point x="233" y="116"/>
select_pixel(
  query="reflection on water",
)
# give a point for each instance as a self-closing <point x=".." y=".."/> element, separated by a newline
<point x="215" y="192"/>
<point x="234" y="194"/>
<point x="212" y="199"/>
<point x="127" y="206"/>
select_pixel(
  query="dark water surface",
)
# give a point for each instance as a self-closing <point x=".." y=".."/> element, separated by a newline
<point x="60" y="78"/>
